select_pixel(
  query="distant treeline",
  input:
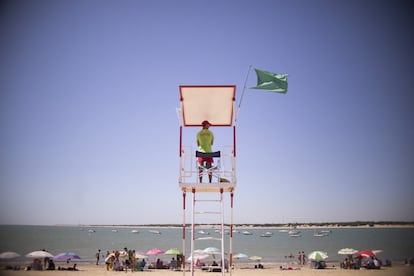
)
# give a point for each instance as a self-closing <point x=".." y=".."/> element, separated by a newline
<point x="278" y="225"/>
<point x="336" y="224"/>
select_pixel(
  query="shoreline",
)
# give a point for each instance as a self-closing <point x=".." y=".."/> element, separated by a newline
<point x="208" y="226"/>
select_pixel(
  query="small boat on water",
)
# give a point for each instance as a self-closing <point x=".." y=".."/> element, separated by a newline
<point x="247" y="233"/>
<point x="114" y="230"/>
<point x="154" y="232"/>
<point x="91" y="231"/>
<point x="267" y="235"/>
<point x="293" y="232"/>
<point x="135" y="231"/>
<point x="203" y="232"/>
<point x="295" y="235"/>
<point x="321" y="234"/>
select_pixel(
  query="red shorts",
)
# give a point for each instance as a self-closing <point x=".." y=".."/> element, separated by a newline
<point x="205" y="159"/>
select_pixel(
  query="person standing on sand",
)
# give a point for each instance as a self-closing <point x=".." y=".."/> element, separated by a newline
<point x="97" y="255"/>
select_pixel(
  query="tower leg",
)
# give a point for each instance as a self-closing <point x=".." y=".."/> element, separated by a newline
<point x="183" y="235"/>
<point x="231" y="234"/>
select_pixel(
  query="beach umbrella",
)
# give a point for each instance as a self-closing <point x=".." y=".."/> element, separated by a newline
<point x="39" y="254"/>
<point x="140" y="255"/>
<point x="317" y="256"/>
<point x="109" y="257"/>
<point x="123" y="253"/>
<point x="212" y="250"/>
<point x="198" y="257"/>
<point x="198" y="254"/>
<point x="66" y="256"/>
<point x="365" y="254"/>
<point x="347" y="251"/>
<point x="255" y="258"/>
<point x="173" y="251"/>
<point x="240" y="256"/>
<point x="155" y="251"/>
<point x="9" y="255"/>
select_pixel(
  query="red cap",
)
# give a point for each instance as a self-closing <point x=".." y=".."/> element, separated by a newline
<point x="205" y="123"/>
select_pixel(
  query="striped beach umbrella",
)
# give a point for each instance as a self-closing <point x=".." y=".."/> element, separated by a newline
<point x="317" y="256"/>
<point x="66" y="256"/>
<point x="365" y="254"/>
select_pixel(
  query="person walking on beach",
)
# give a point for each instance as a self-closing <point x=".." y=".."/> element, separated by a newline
<point x="205" y="139"/>
<point x="97" y="255"/>
<point x="303" y="258"/>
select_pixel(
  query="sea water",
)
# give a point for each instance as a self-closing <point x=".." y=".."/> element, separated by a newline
<point x="397" y="243"/>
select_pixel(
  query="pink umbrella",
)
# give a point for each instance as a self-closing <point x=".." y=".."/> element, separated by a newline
<point x="154" y="251"/>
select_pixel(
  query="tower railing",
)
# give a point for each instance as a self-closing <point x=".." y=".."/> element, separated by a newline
<point x="224" y="171"/>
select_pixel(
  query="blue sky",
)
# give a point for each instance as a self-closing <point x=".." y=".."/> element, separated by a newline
<point x="89" y="91"/>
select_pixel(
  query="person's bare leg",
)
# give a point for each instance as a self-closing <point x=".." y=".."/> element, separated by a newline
<point x="200" y="171"/>
<point x="210" y="174"/>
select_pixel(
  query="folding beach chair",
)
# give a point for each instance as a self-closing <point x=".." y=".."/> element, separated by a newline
<point x="213" y="170"/>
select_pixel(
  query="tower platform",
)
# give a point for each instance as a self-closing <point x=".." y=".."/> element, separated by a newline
<point x="207" y="187"/>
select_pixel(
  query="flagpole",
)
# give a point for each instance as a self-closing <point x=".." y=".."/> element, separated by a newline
<point x="244" y="90"/>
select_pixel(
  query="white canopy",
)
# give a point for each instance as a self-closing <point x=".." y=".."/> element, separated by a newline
<point x="205" y="102"/>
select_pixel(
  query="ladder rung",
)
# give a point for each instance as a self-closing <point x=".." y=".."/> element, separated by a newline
<point x="208" y="200"/>
<point x="201" y="213"/>
<point x="208" y="238"/>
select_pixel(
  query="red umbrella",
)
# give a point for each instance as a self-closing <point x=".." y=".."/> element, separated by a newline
<point x="365" y="254"/>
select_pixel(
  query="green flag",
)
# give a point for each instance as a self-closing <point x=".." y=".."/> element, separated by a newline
<point x="271" y="81"/>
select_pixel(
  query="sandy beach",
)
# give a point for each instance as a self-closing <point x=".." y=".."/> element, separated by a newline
<point x="93" y="270"/>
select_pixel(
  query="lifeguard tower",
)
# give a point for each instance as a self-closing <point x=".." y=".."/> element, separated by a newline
<point x="217" y="105"/>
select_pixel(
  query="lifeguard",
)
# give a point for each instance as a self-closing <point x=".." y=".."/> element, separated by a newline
<point x="205" y="139"/>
